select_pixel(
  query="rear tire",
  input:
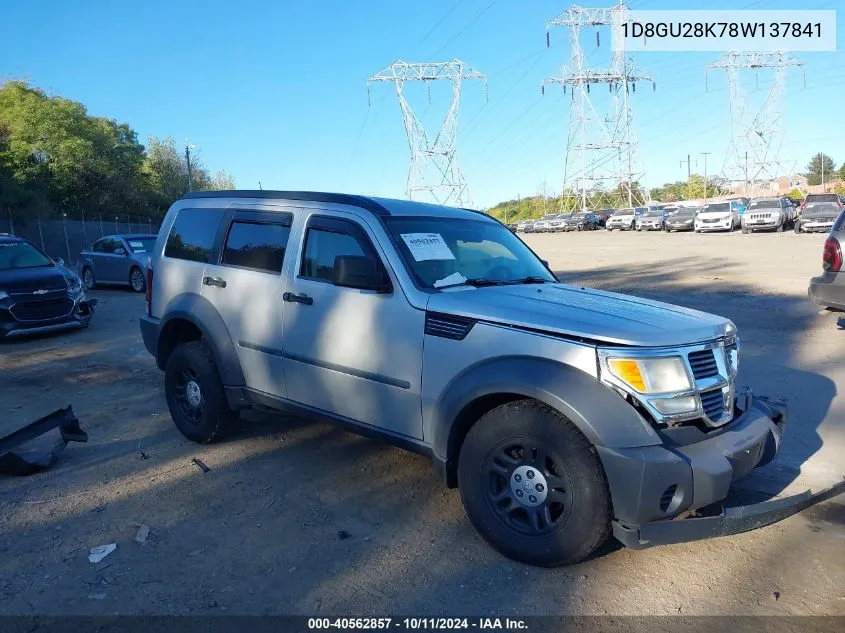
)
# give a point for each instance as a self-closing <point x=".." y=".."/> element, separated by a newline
<point x="136" y="280"/>
<point x="195" y="395"/>
<point x="533" y="485"/>
<point x="797" y="228"/>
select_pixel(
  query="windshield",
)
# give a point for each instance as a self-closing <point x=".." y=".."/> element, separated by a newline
<point x="561" y="216"/>
<point x="688" y="212"/>
<point x="15" y="255"/>
<point x="442" y="252"/>
<point x="773" y="203"/>
<point x="822" y="197"/>
<point x="577" y="216"/>
<point x="141" y="244"/>
<point x="549" y="216"/>
<point x="624" y="212"/>
<point x="722" y="207"/>
<point x="653" y="214"/>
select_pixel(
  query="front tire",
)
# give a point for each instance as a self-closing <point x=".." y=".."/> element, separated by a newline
<point x="533" y="485"/>
<point x="88" y="279"/>
<point x="797" y="228"/>
<point x="194" y="393"/>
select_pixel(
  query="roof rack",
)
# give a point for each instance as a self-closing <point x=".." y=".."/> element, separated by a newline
<point x="312" y="196"/>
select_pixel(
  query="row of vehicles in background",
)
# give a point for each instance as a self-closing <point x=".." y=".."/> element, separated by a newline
<point x="816" y="213"/>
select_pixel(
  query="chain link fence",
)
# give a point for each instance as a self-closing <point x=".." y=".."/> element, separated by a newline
<point x="66" y="238"/>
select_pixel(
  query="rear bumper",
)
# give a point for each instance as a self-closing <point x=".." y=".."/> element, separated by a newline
<point x="828" y="290"/>
<point x="652" y="485"/>
<point x="149" y="333"/>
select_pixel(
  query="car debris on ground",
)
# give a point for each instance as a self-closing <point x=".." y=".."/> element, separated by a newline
<point x="98" y="553"/>
<point x="26" y="461"/>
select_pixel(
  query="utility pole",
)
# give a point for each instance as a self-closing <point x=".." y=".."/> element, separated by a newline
<point x="188" y="162"/>
<point x="706" y="182"/>
<point x="601" y="146"/>
<point x="434" y="169"/>
<point x="821" y="157"/>
<point x="689" y="162"/>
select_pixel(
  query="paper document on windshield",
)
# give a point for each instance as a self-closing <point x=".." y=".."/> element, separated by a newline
<point x="427" y="246"/>
<point x="454" y="278"/>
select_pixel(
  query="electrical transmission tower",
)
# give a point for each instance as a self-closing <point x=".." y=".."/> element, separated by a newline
<point x="433" y="166"/>
<point x="601" y="145"/>
<point x="756" y="154"/>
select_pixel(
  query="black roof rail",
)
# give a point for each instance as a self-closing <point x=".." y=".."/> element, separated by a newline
<point x="311" y="196"/>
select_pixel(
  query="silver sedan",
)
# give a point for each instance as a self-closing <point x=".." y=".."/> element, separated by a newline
<point x="117" y="260"/>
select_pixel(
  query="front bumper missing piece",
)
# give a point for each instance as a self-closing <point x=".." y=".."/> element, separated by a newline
<point x="722" y="520"/>
<point x="24" y="461"/>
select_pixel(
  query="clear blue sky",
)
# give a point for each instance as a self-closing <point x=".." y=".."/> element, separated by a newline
<point x="276" y="90"/>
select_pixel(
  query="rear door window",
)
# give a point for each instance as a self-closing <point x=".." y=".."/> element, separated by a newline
<point x="192" y="235"/>
<point x="254" y="245"/>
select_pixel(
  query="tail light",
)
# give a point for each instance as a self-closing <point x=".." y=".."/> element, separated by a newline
<point x="832" y="256"/>
<point x="149" y="294"/>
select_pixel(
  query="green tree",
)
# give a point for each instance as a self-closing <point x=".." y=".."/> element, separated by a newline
<point x="820" y="164"/>
<point x="842" y="172"/>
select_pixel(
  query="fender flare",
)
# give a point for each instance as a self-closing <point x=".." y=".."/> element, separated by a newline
<point x="600" y="414"/>
<point x="198" y="310"/>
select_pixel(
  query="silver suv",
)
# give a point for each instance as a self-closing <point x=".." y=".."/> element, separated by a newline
<point x="563" y="414"/>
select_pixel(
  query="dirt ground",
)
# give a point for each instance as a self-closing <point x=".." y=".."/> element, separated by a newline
<point x="298" y="518"/>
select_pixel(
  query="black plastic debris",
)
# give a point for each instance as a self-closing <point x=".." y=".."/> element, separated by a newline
<point x="16" y="459"/>
<point x="200" y="464"/>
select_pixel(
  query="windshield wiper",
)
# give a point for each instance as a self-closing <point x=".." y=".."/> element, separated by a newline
<point x="531" y="279"/>
<point x="473" y="281"/>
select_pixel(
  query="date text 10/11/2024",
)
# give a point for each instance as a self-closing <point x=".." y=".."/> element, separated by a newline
<point x="514" y="624"/>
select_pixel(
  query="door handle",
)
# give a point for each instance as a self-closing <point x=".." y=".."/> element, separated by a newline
<point x="214" y="281"/>
<point x="292" y="298"/>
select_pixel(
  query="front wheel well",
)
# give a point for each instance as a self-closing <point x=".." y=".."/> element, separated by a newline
<point x="464" y="421"/>
<point x="174" y="333"/>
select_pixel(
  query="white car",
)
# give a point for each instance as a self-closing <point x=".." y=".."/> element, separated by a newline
<point x="622" y="219"/>
<point x="718" y="216"/>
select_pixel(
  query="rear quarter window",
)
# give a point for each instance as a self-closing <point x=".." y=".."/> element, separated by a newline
<point x="192" y="234"/>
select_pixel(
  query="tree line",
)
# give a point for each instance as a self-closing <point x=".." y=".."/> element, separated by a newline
<point x="56" y="158"/>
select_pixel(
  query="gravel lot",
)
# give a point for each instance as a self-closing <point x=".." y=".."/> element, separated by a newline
<point x="301" y="518"/>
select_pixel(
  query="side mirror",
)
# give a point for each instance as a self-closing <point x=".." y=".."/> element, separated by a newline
<point x="545" y="263"/>
<point x="58" y="261"/>
<point x="364" y="273"/>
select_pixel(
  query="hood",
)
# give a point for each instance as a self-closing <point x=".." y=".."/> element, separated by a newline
<point x="32" y="279"/>
<point x="713" y="214"/>
<point x="574" y="220"/>
<point x="680" y="220"/>
<point x="597" y="315"/>
<point x="621" y="217"/>
<point x="820" y="215"/>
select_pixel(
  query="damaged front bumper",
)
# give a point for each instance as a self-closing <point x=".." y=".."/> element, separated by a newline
<point x="13" y="325"/>
<point x="653" y="486"/>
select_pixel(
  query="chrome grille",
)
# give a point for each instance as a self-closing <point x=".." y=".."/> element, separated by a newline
<point x="760" y="216"/>
<point x="713" y="403"/>
<point x="703" y="364"/>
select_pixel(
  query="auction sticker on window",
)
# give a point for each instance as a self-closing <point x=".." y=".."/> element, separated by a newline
<point x="427" y="246"/>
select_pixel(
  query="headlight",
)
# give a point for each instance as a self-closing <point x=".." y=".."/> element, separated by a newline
<point x="74" y="284"/>
<point x="4" y="294"/>
<point x="651" y="375"/>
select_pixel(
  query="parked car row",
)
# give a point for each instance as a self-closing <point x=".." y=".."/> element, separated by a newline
<point x="771" y="213"/>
